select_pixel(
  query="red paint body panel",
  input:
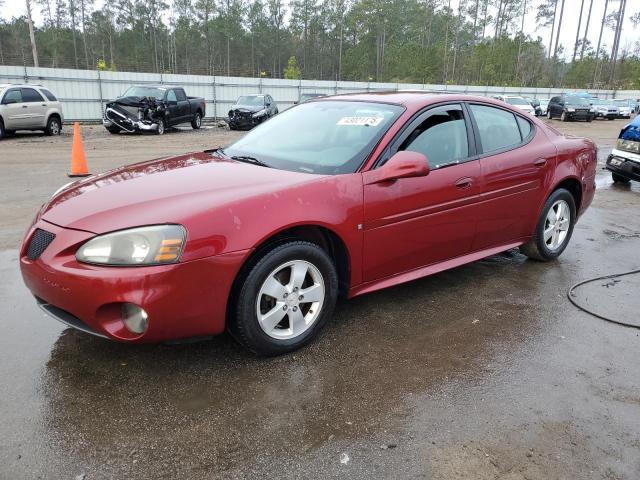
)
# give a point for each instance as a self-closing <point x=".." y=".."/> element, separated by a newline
<point x="394" y="231"/>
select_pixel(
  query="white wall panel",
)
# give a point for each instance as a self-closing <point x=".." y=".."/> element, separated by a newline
<point x="84" y="92"/>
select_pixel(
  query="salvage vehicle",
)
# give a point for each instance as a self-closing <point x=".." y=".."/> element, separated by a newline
<point x="305" y="97"/>
<point x="626" y="107"/>
<point x="570" y="107"/>
<point x="261" y="237"/>
<point x="535" y="103"/>
<point x="624" y="160"/>
<point x="251" y="110"/>
<point x="153" y="108"/>
<point x="519" y="102"/>
<point x="29" y="107"/>
<point x="605" y="109"/>
<point x="544" y="103"/>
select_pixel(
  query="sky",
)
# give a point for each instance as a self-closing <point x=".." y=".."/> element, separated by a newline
<point x="13" y="8"/>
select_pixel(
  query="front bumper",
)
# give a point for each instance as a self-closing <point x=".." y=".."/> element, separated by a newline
<point x="112" y="118"/>
<point x="182" y="300"/>
<point x="607" y="115"/>
<point x="617" y="163"/>
<point x="242" y="121"/>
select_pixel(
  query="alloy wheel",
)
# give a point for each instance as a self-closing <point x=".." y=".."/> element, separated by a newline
<point x="55" y="127"/>
<point x="290" y="299"/>
<point x="556" y="225"/>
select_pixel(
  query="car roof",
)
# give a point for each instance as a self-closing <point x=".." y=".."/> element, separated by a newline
<point x="411" y="99"/>
<point x="20" y="85"/>
<point x="156" y="85"/>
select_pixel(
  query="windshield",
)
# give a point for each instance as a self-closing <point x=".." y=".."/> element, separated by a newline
<point x="517" y="101"/>
<point x="251" y="100"/>
<point x="145" y="92"/>
<point x="332" y="137"/>
<point x="623" y="103"/>
<point x="580" y="101"/>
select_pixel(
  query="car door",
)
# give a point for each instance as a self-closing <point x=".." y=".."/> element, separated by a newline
<point x="173" y="107"/>
<point x="553" y="106"/>
<point x="184" y="106"/>
<point x="414" y="222"/>
<point x="36" y="107"/>
<point x="16" y="115"/>
<point x="516" y="161"/>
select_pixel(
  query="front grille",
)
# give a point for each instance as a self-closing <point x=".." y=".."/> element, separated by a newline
<point x="39" y="243"/>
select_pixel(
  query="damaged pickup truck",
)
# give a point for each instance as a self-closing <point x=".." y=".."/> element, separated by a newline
<point x="152" y="108"/>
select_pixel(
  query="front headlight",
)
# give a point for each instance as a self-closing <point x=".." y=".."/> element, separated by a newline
<point x="628" y="145"/>
<point x="260" y="113"/>
<point x="155" y="245"/>
<point x="592" y="110"/>
<point x="571" y="109"/>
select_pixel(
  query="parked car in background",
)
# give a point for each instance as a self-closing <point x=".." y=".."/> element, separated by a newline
<point x="305" y="97"/>
<point x="544" y="103"/>
<point x="624" y="160"/>
<point x="29" y="107"/>
<point x="153" y="108"/>
<point x="605" y="109"/>
<point x="519" y="103"/>
<point x="626" y="107"/>
<point x="251" y="110"/>
<point x="344" y="195"/>
<point x="535" y="103"/>
<point x="570" y="107"/>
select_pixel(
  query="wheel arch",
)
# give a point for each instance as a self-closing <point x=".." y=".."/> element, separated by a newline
<point x="324" y="237"/>
<point x="574" y="187"/>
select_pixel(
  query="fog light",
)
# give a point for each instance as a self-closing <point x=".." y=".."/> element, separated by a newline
<point x="135" y="318"/>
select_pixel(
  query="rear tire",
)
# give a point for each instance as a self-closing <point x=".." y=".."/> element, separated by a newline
<point x="619" y="178"/>
<point x="2" y="130"/>
<point x="270" y="314"/>
<point x="549" y="114"/>
<point x="54" y="127"/>
<point x="554" y="228"/>
<point x="196" y="123"/>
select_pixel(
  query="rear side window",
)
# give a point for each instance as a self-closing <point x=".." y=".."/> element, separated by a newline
<point x="29" y="95"/>
<point x="181" y="95"/>
<point x="525" y="127"/>
<point x="441" y="137"/>
<point x="12" y="96"/>
<point x="498" y="128"/>
<point x="50" y="96"/>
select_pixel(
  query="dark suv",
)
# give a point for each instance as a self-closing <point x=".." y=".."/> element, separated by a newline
<point x="570" y="107"/>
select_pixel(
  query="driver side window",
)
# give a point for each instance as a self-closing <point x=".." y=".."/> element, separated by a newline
<point x="171" y="96"/>
<point x="441" y="137"/>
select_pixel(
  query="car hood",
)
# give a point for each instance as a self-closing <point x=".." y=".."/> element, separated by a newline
<point x="248" y="108"/>
<point x="169" y="190"/>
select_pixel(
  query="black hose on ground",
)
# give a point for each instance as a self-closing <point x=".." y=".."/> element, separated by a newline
<point x="570" y="295"/>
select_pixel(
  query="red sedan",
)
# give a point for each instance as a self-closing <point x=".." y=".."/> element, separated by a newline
<point x="338" y="196"/>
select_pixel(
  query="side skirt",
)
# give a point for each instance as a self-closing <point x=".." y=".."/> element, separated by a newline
<point x="428" y="270"/>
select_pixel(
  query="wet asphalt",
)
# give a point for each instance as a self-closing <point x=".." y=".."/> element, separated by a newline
<point x="482" y="372"/>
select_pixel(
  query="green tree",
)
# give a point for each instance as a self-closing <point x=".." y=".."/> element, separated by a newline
<point x="292" y="72"/>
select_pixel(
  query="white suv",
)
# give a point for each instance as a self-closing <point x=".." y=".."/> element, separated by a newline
<point x="29" y="107"/>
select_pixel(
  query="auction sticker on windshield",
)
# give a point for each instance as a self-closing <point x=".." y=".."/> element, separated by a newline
<point x="366" y="121"/>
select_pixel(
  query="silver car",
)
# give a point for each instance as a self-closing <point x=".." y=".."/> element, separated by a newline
<point x="29" y="107"/>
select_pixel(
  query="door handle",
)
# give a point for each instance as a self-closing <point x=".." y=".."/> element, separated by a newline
<point x="25" y="106"/>
<point x="541" y="162"/>
<point x="465" y="182"/>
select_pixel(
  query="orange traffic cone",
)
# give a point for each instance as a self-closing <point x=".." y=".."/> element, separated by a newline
<point x="78" y="158"/>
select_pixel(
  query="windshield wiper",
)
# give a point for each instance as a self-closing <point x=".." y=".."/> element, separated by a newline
<point x="249" y="159"/>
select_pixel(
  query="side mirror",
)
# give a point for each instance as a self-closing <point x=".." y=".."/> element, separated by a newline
<point x="295" y="102"/>
<point x="404" y="164"/>
<point x="268" y="104"/>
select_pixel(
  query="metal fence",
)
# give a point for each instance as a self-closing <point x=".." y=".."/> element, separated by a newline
<point x="84" y="92"/>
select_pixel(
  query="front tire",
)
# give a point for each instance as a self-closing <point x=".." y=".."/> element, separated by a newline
<point x="564" y="117"/>
<point x="161" y="127"/>
<point x="113" y="130"/>
<point x="2" y="130"/>
<point x="619" y="178"/>
<point x="549" y="114"/>
<point x="554" y="228"/>
<point x="285" y="299"/>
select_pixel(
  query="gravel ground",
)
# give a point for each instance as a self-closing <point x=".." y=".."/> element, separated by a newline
<point x="481" y="372"/>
